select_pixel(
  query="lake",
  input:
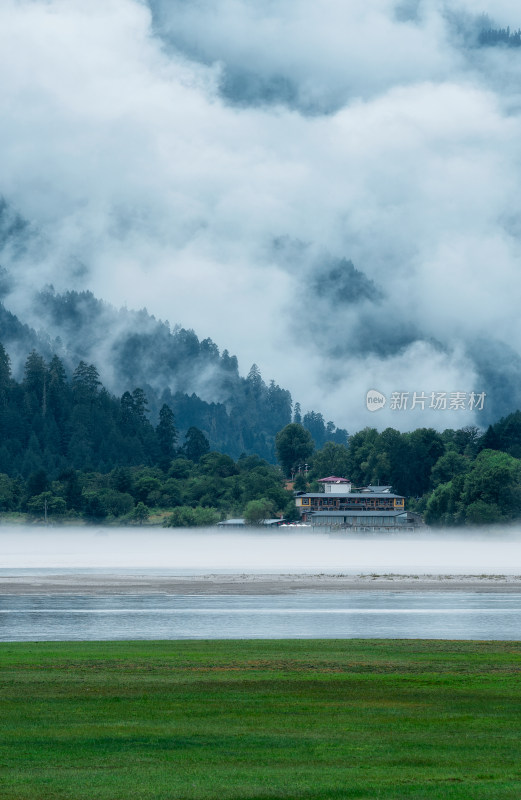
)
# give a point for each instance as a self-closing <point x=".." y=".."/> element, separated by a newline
<point x="378" y="614"/>
<point x="39" y="615"/>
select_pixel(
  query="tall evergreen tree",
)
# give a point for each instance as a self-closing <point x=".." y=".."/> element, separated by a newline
<point x="35" y="382"/>
<point x="254" y="381"/>
<point x="57" y="374"/>
<point x="58" y="390"/>
<point x="5" y="376"/>
<point x="166" y="436"/>
<point x="140" y="406"/>
<point x="196" y="444"/>
<point x="314" y="423"/>
<point x="278" y="408"/>
<point x="85" y="382"/>
<point x="5" y="368"/>
<point x="127" y="409"/>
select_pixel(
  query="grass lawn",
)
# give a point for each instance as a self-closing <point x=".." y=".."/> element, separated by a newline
<point x="260" y="719"/>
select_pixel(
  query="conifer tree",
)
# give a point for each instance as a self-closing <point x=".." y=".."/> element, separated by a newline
<point x="196" y="444"/>
<point x="85" y="381"/>
<point x="35" y="382"/>
<point x="166" y="436"/>
<point x="5" y="369"/>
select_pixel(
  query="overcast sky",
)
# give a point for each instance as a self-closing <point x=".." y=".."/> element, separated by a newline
<point x="222" y="162"/>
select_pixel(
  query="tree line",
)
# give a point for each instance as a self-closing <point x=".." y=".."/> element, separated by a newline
<point x="238" y="415"/>
<point x="490" y="37"/>
<point x="191" y="492"/>
<point x="68" y="447"/>
<point x="457" y="477"/>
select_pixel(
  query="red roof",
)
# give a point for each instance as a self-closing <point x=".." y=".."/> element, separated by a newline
<point x="333" y="479"/>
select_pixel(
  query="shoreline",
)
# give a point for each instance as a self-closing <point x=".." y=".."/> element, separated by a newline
<point x="251" y="584"/>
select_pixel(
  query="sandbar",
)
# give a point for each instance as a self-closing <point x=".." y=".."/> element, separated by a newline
<point x="81" y="583"/>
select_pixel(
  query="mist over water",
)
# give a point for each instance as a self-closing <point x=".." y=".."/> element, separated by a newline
<point x="97" y="583"/>
<point x="186" y="551"/>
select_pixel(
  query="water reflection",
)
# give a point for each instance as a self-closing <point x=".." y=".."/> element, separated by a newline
<point x="436" y="615"/>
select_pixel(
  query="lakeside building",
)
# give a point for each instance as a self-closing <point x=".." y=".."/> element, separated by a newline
<point x="367" y="521"/>
<point x="334" y="485"/>
<point x="240" y="522"/>
<point x="371" y="507"/>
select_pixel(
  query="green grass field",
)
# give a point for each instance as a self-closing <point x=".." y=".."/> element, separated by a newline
<point x="260" y="719"/>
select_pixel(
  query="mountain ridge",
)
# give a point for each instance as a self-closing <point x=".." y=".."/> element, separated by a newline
<point x="172" y="366"/>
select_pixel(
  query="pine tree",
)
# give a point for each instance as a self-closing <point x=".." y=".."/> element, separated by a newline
<point x="35" y="382"/>
<point x="58" y="390"/>
<point x="166" y="436"/>
<point x="140" y="404"/>
<point x="85" y="382"/>
<point x="5" y="385"/>
<point x="196" y="444"/>
<point x="57" y="374"/>
<point x="314" y="422"/>
<point x="5" y="369"/>
<point x="254" y="380"/>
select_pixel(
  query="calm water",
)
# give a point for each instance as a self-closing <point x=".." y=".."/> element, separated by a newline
<point x="433" y="615"/>
<point x="32" y="551"/>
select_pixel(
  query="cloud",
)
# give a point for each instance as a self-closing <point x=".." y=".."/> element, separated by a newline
<point x="313" y="56"/>
<point x="327" y="189"/>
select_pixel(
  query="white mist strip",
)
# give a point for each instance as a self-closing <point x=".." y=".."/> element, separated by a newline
<point x="192" y="552"/>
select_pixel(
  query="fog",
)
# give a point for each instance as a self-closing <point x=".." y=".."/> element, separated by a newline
<point x="195" y="157"/>
<point x="186" y="552"/>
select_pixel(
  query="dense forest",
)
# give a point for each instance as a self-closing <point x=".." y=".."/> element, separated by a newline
<point x="500" y="36"/>
<point x="68" y="447"/>
<point x="457" y="477"/>
<point x="200" y="384"/>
